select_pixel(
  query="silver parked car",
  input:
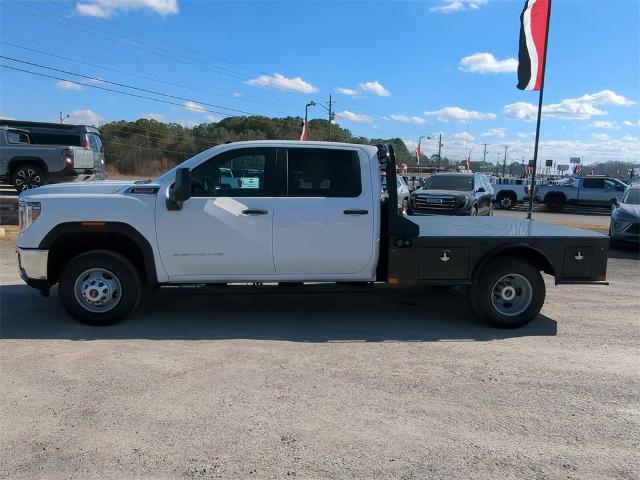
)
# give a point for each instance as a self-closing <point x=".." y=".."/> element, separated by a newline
<point x="625" y="217"/>
<point x="403" y="193"/>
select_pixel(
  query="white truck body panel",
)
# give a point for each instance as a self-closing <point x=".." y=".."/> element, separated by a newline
<point x="210" y="240"/>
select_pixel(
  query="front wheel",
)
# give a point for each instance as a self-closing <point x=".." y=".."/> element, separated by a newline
<point x="99" y="287"/>
<point x="508" y="292"/>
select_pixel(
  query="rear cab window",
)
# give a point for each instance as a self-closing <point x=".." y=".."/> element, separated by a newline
<point x="316" y="172"/>
<point x="66" y="139"/>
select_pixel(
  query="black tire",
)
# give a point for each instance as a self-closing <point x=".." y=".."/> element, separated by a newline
<point x="27" y="176"/>
<point x="114" y="264"/>
<point x="555" y="203"/>
<point x="490" y="278"/>
<point x="507" y="201"/>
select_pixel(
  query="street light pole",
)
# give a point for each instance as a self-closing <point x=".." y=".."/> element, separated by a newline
<point x="439" y="140"/>
<point x="504" y="160"/>
<point x="484" y="157"/>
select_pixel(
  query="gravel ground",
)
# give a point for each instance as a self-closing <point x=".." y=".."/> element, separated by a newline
<point x="366" y="385"/>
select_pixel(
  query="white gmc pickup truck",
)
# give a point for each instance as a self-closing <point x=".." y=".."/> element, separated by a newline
<point x="284" y="212"/>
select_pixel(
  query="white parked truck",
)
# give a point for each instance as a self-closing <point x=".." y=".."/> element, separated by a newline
<point x="304" y="212"/>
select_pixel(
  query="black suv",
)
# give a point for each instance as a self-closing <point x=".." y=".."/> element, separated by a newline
<point x="454" y="194"/>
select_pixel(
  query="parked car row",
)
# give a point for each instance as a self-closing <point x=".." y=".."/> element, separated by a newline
<point x="33" y="154"/>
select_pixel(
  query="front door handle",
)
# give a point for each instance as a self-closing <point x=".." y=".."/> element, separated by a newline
<point x="255" y="212"/>
<point x="356" y="212"/>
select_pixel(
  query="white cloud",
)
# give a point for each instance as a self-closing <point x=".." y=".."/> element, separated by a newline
<point x="460" y="114"/>
<point x="374" y="87"/>
<point x="213" y="118"/>
<point x="106" y="8"/>
<point x="495" y="132"/>
<point x="521" y="111"/>
<point x="580" y="108"/>
<point x="450" y="6"/>
<point x="158" y="117"/>
<point x="237" y="94"/>
<point x="487" y="63"/>
<point x="354" y="117"/>
<point x="347" y="91"/>
<point x="67" y="85"/>
<point x="629" y="123"/>
<point x="629" y="138"/>
<point x="522" y="135"/>
<point x="193" y="106"/>
<point x="84" y="117"/>
<point x="281" y="82"/>
<point x="605" y="124"/>
<point x="600" y="137"/>
<point x="405" y="119"/>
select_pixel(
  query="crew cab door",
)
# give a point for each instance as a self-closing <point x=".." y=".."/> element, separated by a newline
<point x="225" y="229"/>
<point x="324" y="222"/>
<point x="597" y="191"/>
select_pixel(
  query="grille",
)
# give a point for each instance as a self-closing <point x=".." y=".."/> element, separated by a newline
<point x="440" y="203"/>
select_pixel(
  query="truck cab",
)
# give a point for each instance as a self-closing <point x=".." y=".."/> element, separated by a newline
<point x="591" y="191"/>
<point x="296" y="212"/>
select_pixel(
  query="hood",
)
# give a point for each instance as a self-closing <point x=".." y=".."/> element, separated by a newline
<point x="78" y="188"/>
<point x="629" y="209"/>
<point x="439" y="192"/>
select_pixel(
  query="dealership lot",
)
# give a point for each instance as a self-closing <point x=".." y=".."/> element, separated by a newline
<point x="360" y="385"/>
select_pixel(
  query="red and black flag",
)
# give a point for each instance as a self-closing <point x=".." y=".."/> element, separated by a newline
<point x="534" y="23"/>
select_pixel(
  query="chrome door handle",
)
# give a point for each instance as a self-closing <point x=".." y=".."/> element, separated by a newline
<point x="255" y="212"/>
<point x="356" y="212"/>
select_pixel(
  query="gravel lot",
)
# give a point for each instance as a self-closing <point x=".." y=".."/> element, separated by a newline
<point x="366" y="385"/>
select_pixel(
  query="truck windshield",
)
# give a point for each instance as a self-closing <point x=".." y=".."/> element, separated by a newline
<point x="632" y="197"/>
<point x="449" y="182"/>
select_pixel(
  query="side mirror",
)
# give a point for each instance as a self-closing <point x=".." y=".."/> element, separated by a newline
<point x="481" y="190"/>
<point x="181" y="189"/>
<point x="616" y="202"/>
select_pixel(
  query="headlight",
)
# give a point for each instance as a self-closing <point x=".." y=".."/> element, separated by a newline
<point x="463" y="201"/>
<point x="28" y="212"/>
<point x="623" y="216"/>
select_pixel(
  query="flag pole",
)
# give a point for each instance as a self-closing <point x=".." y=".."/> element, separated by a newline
<point x="535" y="149"/>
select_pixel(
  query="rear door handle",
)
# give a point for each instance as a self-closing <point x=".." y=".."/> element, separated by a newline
<point x="255" y="212"/>
<point x="356" y="212"/>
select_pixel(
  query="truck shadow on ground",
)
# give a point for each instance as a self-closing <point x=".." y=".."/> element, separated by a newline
<point x="371" y="316"/>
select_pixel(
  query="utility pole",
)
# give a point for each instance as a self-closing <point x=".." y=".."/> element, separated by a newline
<point x="504" y="160"/>
<point x="63" y="117"/>
<point x="330" y="114"/>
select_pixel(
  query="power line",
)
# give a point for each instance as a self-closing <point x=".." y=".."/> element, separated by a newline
<point x="99" y="87"/>
<point x="183" y="83"/>
<point x="173" y="56"/>
<point x="102" y="80"/>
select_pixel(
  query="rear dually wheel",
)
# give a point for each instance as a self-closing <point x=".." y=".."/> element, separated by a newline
<point x="508" y="292"/>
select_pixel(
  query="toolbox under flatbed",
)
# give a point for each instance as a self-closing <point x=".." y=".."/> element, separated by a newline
<point x="450" y="249"/>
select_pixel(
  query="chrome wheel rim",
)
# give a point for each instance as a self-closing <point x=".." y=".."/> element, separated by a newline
<point x="405" y="207"/>
<point x="98" y="290"/>
<point x="474" y="211"/>
<point x="27" y="178"/>
<point x="511" y="295"/>
<point x="505" y="202"/>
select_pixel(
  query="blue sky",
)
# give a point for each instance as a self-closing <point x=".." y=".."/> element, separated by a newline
<point x="396" y="69"/>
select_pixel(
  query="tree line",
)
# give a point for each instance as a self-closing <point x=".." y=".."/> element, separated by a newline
<point x="148" y="147"/>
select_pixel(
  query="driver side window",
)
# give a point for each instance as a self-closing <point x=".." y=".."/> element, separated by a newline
<point x="245" y="172"/>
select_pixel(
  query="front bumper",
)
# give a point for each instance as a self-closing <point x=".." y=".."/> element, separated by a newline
<point x="32" y="266"/>
<point x="625" y="231"/>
